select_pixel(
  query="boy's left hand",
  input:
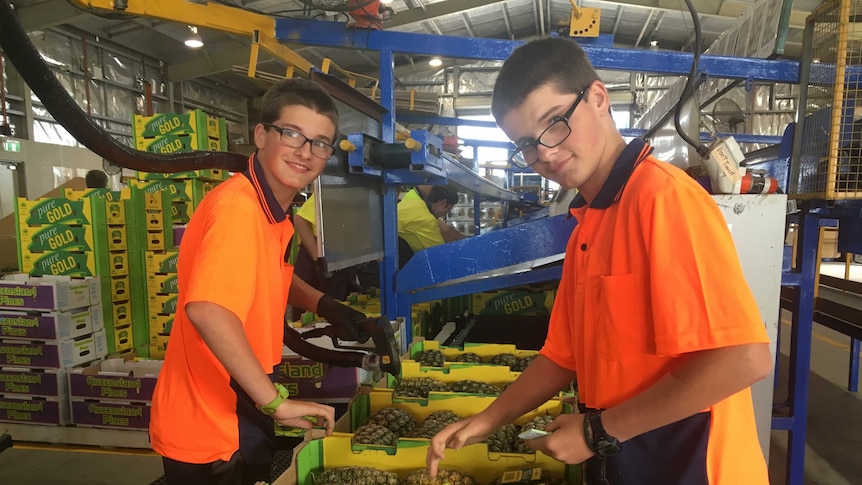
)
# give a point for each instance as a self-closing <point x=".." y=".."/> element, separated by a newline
<point x="566" y="443"/>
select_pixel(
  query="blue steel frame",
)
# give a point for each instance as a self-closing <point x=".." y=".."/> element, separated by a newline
<point x="408" y="286"/>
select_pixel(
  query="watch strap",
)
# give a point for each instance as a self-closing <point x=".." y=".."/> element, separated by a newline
<point x="270" y="407"/>
<point x="600" y="442"/>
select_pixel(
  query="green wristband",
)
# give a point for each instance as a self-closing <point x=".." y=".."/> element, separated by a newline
<point x="270" y="407"/>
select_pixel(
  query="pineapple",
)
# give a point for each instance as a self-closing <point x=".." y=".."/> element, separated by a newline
<point x="419" y="387"/>
<point x="508" y="360"/>
<point x="502" y="440"/>
<point x="475" y="387"/>
<point x="444" y="477"/>
<point x="469" y="357"/>
<point x="444" y="416"/>
<point x="539" y="422"/>
<point x="374" y="434"/>
<point x="434" y="423"/>
<point x="431" y="358"/>
<point x="428" y="429"/>
<point x="521" y="364"/>
<point x="355" y="475"/>
<point x="398" y="420"/>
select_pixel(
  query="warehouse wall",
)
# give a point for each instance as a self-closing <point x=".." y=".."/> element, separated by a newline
<point x="40" y="159"/>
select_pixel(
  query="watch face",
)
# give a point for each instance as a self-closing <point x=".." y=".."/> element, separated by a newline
<point x="607" y="448"/>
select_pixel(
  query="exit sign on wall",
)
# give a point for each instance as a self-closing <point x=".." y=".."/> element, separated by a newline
<point x="13" y="146"/>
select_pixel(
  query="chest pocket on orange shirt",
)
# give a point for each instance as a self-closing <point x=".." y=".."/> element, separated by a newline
<point x="622" y="316"/>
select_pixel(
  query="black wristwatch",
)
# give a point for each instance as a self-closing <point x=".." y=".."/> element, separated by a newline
<point x="599" y="440"/>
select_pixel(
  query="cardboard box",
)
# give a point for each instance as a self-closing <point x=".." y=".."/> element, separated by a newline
<point x="156" y="241"/>
<point x="49" y="326"/>
<point x="181" y="212"/>
<point x="33" y="410"/>
<point x="51" y="383"/>
<point x="56" y="237"/>
<point x="117" y="238"/>
<point x="162" y="283"/>
<point x="121" y="313"/>
<point x="160" y="326"/>
<point x="119" y="339"/>
<point x="193" y="122"/>
<point x="118" y="263"/>
<point x="21" y="291"/>
<point x="115" y="379"/>
<point x="162" y="304"/>
<point x="161" y="262"/>
<point x="120" y="288"/>
<point x="108" y="414"/>
<point x="59" y="263"/>
<point x="53" y="354"/>
<point x="155" y="220"/>
<point x="485" y="351"/>
<point x="337" y="450"/>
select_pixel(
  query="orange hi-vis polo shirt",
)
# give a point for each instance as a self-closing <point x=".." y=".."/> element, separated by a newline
<point x="650" y="273"/>
<point x="232" y="254"/>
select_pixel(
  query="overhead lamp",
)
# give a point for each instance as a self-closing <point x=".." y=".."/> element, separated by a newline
<point x="435" y="62"/>
<point x="194" y="41"/>
<point x="385" y="2"/>
<point x="653" y="43"/>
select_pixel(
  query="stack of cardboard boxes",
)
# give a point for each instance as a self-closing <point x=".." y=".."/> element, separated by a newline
<point x="49" y="325"/>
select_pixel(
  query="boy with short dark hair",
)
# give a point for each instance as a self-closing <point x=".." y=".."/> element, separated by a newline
<point x="215" y="403"/>
<point x="652" y="314"/>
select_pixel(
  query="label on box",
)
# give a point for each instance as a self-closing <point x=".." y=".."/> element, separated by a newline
<point x="32" y="411"/>
<point x="168" y="144"/>
<point x="29" y="381"/>
<point x="56" y="263"/>
<point x="121" y="313"/>
<point x="164" y="304"/>
<point x="513" y="303"/>
<point x="110" y="415"/>
<point x="120" y="288"/>
<point x="164" y="124"/>
<point x="155" y="241"/>
<point x="306" y="379"/>
<point x="56" y="237"/>
<point x="137" y="389"/>
<point x="118" y="263"/>
<point x="52" y="211"/>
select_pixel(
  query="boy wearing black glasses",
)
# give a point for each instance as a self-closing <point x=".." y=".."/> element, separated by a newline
<point x="652" y="315"/>
<point x="215" y="403"/>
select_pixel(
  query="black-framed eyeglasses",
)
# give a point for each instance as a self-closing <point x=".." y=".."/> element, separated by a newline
<point x="556" y="133"/>
<point x="295" y="139"/>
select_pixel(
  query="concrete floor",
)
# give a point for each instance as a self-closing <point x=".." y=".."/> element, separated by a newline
<point x="832" y="456"/>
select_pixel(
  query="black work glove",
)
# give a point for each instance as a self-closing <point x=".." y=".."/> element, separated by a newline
<point x="345" y="318"/>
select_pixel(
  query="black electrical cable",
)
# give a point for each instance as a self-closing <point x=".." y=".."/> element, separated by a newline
<point x="688" y="90"/>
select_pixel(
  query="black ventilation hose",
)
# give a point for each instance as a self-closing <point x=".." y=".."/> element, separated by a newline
<point x="39" y="77"/>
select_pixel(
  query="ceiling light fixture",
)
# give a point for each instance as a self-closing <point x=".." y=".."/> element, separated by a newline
<point x="435" y="62"/>
<point x="385" y="2"/>
<point x="194" y="41"/>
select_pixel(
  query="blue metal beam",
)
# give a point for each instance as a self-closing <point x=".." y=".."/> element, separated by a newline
<point x="487" y="252"/>
<point x="469" y="180"/>
<point x="336" y="34"/>
<point x="488" y="284"/>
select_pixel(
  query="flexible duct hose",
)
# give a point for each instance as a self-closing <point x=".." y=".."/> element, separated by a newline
<point x="36" y="73"/>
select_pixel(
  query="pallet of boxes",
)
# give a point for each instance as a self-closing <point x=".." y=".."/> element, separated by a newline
<point x="166" y="202"/>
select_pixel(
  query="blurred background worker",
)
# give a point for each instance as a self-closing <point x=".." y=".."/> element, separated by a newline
<point x="420" y="223"/>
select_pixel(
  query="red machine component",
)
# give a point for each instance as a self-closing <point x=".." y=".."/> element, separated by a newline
<point x="368" y="15"/>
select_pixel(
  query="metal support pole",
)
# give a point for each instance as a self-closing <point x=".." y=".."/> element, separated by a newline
<point x="477" y="215"/>
<point x="800" y="348"/>
<point x="853" y="378"/>
<point x="804" y="76"/>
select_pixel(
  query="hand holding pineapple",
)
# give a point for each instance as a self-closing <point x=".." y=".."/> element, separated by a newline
<point x="297" y="413"/>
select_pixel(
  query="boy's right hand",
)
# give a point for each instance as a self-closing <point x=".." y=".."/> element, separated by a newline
<point x="295" y="413"/>
<point x="468" y="431"/>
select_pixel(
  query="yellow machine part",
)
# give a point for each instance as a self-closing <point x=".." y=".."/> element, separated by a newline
<point x="585" y="22"/>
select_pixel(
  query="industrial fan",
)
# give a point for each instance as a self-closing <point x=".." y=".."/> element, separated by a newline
<point x="366" y="14"/>
<point x="727" y="117"/>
